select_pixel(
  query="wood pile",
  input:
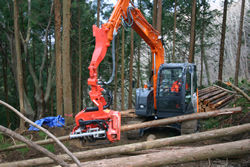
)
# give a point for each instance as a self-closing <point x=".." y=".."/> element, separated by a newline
<point x="214" y="97"/>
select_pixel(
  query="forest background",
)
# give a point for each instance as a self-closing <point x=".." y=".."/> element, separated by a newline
<point x="46" y="47"/>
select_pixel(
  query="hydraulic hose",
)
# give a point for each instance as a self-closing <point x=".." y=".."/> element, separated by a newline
<point x="113" y="61"/>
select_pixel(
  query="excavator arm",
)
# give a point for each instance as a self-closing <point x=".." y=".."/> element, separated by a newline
<point x="95" y="122"/>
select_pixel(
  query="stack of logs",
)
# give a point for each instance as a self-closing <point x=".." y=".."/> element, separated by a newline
<point x="214" y="97"/>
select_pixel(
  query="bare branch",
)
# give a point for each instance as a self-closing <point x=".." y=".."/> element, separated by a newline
<point x="44" y="130"/>
<point x="46" y="45"/>
<point x="17" y="136"/>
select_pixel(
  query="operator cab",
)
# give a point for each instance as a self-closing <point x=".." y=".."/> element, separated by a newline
<point x="176" y="92"/>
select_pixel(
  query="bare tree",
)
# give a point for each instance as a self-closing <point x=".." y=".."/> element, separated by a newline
<point x="239" y="44"/>
<point x="159" y="15"/>
<point x="98" y="13"/>
<point x="155" y="13"/>
<point x="58" y="51"/>
<point x="66" y="64"/>
<point x="202" y="40"/>
<point x="131" y="61"/>
<point x="19" y="63"/>
<point x="122" y="70"/>
<point x="116" y="71"/>
<point x="222" y="42"/>
<point x="80" y="58"/>
<point x="192" y="34"/>
<point x="174" y="35"/>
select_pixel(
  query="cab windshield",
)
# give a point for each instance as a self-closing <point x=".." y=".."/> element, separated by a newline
<point x="170" y="81"/>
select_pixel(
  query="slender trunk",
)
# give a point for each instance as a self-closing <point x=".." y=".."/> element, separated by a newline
<point x="159" y="15"/>
<point x="66" y="63"/>
<point x="202" y="42"/>
<point x="192" y="34"/>
<point x="237" y="67"/>
<point x="80" y="58"/>
<point x="222" y="42"/>
<point x="59" y="87"/>
<point x="138" y="65"/>
<point x="174" y="35"/>
<point x="155" y="13"/>
<point x="19" y="63"/>
<point x="116" y="71"/>
<point x="122" y="69"/>
<point x="98" y="12"/>
<point x="130" y="93"/>
<point x="207" y="70"/>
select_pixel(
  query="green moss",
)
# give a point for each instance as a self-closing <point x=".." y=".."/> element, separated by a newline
<point x="42" y="134"/>
<point x="50" y="147"/>
<point x="23" y="150"/>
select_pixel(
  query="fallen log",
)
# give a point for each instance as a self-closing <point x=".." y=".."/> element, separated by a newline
<point x="229" y="91"/>
<point x="182" y="118"/>
<point x="205" y="89"/>
<point x="177" y="156"/>
<point x="96" y="153"/>
<point x="213" y="106"/>
<point x="238" y="90"/>
<point x="211" y="89"/>
<point x="150" y="124"/>
<point x="214" y="98"/>
<point x="42" y="129"/>
<point x="17" y="136"/>
<point x="210" y="95"/>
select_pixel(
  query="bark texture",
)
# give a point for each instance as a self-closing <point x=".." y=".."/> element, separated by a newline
<point x="192" y="33"/>
<point x="236" y="77"/>
<point x="58" y="51"/>
<point x="177" y="156"/>
<point x="19" y="68"/>
<point x="66" y="64"/>
<point x="222" y="42"/>
<point x="122" y="69"/>
<point x="130" y="148"/>
<point x="33" y="145"/>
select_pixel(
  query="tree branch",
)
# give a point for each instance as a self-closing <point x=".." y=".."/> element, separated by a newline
<point x="15" y="135"/>
<point x="46" y="45"/>
<point x="44" y="130"/>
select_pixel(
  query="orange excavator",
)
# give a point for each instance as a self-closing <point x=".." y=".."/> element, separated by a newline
<point x="100" y="122"/>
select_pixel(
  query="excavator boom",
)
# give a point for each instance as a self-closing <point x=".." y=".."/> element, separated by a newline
<point x="95" y="120"/>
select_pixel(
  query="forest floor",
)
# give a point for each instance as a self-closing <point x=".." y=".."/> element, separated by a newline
<point x="76" y="145"/>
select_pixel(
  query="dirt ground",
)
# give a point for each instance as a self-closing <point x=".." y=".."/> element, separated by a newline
<point x="76" y="145"/>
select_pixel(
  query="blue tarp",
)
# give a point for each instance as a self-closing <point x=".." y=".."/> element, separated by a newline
<point x="49" y="121"/>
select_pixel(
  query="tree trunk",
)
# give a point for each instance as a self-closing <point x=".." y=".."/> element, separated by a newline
<point x="192" y="33"/>
<point x="66" y="64"/>
<point x="122" y="70"/>
<point x="58" y="51"/>
<point x="182" y="118"/>
<point x="130" y="148"/>
<point x="98" y="12"/>
<point x="155" y="13"/>
<point x="42" y="129"/>
<point x="174" y="35"/>
<point x="138" y="65"/>
<point x="116" y="71"/>
<point x="178" y="156"/>
<point x="80" y="58"/>
<point x="5" y="83"/>
<point x="207" y="70"/>
<point x="159" y="15"/>
<point x="33" y="145"/>
<point x="19" y="63"/>
<point x="202" y="41"/>
<point x="151" y="124"/>
<point x="222" y="42"/>
<point x="238" y="90"/>
<point x="130" y="93"/>
<point x="237" y="67"/>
